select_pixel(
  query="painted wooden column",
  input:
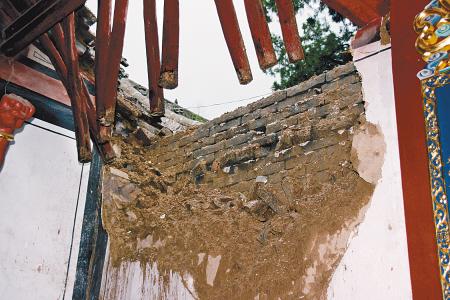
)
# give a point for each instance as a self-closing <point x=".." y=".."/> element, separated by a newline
<point x="14" y="111"/>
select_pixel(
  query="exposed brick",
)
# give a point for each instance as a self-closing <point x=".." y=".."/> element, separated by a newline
<point x="274" y="98"/>
<point x="266" y="140"/>
<point x="246" y="154"/>
<point x="295" y="99"/>
<point x="265" y="112"/>
<point x="201" y="132"/>
<point x="340" y="71"/>
<point x="306" y="85"/>
<point x="237" y="130"/>
<point x="322" y="111"/>
<point x="239" y="112"/>
<point x="183" y="141"/>
<point x="322" y="143"/>
<point x="274" y="127"/>
<point x="293" y="133"/>
<point x="334" y="85"/>
<point x="209" y="140"/>
<point x="225" y="126"/>
<point x="196" y="146"/>
<point x="145" y="136"/>
<point x="209" y="149"/>
<point x="239" y="139"/>
<point x="220" y="136"/>
<point x="258" y="123"/>
<point x="251" y="116"/>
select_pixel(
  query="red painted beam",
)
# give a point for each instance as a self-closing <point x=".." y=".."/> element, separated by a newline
<point x="113" y="66"/>
<point x="101" y="53"/>
<point x="38" y="26"/>
<point x="73" y="80"/>
<point x="156" y="93"/>
<point x="170" y="45"/>
<point x="233" y="38"/>
<point x="356" y="11"/>
<point x="367" y="34"/>
<point x="381" y="7"/>
<point x="55" y="57"/>
<point x="58" y="40"/>
<point x="289" y="29"/>
<point x="33" y="80"/>
<point x="260" y="33"/>
<point x="420" y="229"/>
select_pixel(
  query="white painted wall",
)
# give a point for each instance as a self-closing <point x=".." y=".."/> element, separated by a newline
<point x="42" y="197"/>
<point x="375" y="265"/>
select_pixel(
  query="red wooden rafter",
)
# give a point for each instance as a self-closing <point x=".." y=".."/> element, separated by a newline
<point x="233" y="38"/>
<point x="260" y="33"/>
<point x="289" y="29"/>
<point x="113" y="67"/>
<point x="170" y="45"/>
<point x="155" y="92"/>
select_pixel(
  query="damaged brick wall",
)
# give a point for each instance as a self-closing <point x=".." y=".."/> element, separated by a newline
<point x="258" y="203"/>
<point x="269" y="137"/>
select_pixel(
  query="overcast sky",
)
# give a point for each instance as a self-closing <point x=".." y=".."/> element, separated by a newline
<point x="206" y="73"/>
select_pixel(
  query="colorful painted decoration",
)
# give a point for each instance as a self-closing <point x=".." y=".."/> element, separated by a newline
<point x="443" y="30"/>
<point x="433" y="44"/>
<point x="424" y="74"/>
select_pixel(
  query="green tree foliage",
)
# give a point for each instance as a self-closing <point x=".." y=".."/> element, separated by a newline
<point x="324" y="48"/>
